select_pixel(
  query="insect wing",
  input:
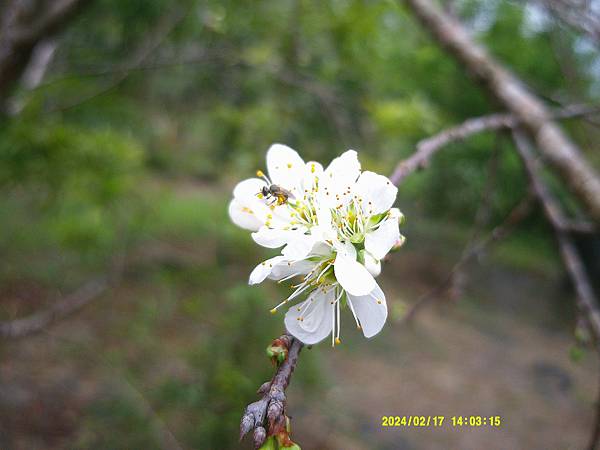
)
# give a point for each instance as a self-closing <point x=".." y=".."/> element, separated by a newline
<point x="287" y="193"/>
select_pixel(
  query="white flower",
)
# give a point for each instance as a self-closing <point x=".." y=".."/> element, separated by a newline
<point x="335" y="226"/>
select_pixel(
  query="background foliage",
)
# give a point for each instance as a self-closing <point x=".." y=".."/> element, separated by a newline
<point x="127" y="153"/>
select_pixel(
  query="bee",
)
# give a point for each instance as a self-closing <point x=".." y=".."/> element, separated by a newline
<point x="280" y="194"/>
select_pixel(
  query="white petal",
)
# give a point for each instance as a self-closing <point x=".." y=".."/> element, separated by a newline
<point x="325" y="229"/>
<point x="335" y="185"/>
<point x="243" y="217"/>
<point x="352" y="275"/>
<point x="322" y="249"/>
<point x="381" y="241"/>
<point x="264" y="269"/>
<point x="395" y="213"/>
<point x="245" y="192"/>
<point x="312" y="171"/>
<point x="344" y="169"/>
<point x="274" y="238"/>
<point x="371" y="310"/>
<point x="286" y="167"/>
<point x="377" y="192"/>
<point x="345" y="248"/>
<point x="248" y="189"/>
<point x="373" y="265"/>
<point x="285" y="269"/>
<point x="311" y="320"/>
<point x="299" y="247"/>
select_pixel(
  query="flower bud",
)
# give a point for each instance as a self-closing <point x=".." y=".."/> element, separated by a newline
<point x="260" y="434"/>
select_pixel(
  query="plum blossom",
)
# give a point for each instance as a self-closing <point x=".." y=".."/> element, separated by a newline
<point x="334" y="226"/>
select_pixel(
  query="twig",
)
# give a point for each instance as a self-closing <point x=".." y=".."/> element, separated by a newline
<point x="577" y="15"/>
<point x="516" y="215"/>
<point x="561" y="153"/>
<point x="587" y="302"/>
<point x="36" y="322"/>
<point x="267" y="416"/>
<point x="586" y="299"/>
<point x="428" y="147"/>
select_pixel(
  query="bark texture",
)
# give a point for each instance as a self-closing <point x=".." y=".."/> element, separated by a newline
<point x="536" y="118"/>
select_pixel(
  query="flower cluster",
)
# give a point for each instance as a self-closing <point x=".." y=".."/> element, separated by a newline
<point x="334" y="226"/>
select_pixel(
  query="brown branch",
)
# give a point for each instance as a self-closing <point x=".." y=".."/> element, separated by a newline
<point x="267" y="416"/>
<point x="577" y="15"/>
<point x="560" y="152"/>
<point x="40" y="60"/>
<point x="428" y="147"/>
<point x="36" y="322"/>
<point x="587" y="301"/>
<point x="22" y="29"/>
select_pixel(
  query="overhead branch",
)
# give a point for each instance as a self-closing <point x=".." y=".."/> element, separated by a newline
<point x="426" y="148"/>
<point x="587" y="302"/>
<point x="580" y="16"/>
<point x="561" y="153"/>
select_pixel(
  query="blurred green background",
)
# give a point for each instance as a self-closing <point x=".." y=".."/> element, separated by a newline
<point x="123" y="159"/>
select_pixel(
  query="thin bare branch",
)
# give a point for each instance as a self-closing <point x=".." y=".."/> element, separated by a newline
<point x="516" y="215"/>
<point x="560" y="152"/>
<point x="587" y="301"/>
<point x="577" y="15"/>
<point x="428" y="147"/>
<point x="36" y="322"/>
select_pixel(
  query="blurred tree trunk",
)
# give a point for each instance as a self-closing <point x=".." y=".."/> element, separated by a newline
<point x="25" y="23"/>
<point x="506" y="88"/>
